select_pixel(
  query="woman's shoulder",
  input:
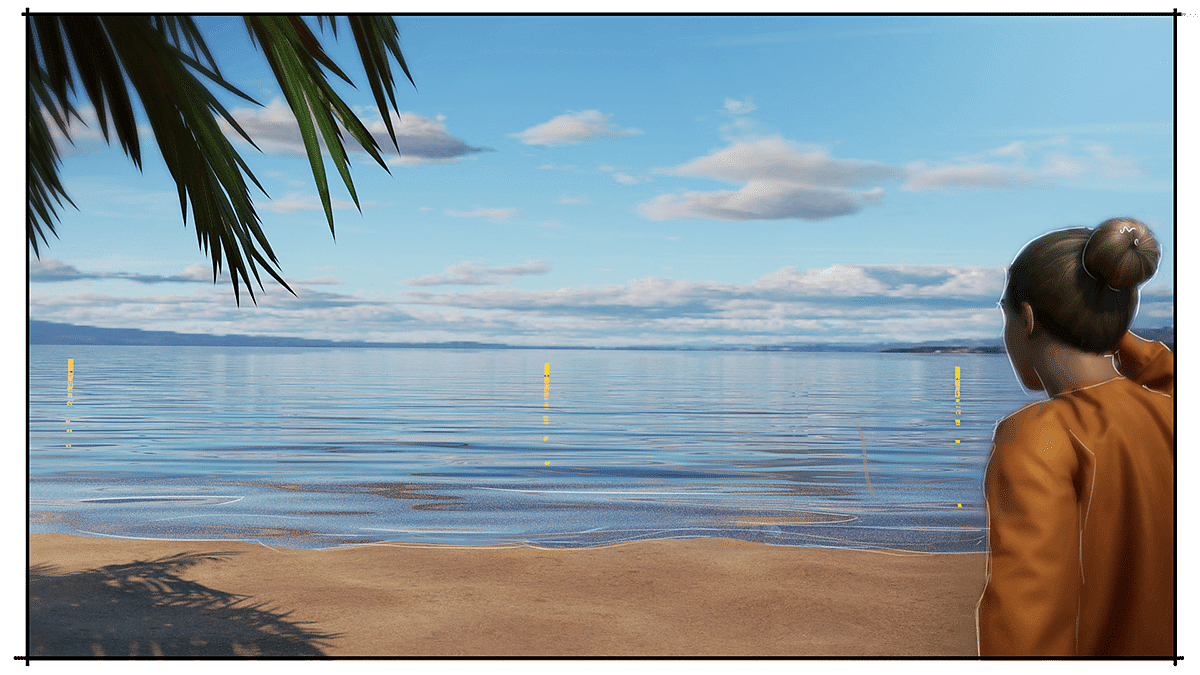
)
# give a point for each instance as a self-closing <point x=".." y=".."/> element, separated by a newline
<point x="1041" y="426"/>
<point x="1036" y="435"/>
<point x="1034" y="413"/>
<point x="1062" y="420"/>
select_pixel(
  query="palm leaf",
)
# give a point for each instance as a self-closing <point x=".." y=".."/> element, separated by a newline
<point x="208" y="170"/>
<point x="373" y="34"/>
<point x="48" y="85"/>
<point x="296" y="58"/>
<point x="101" y="77"/>
<point x="157" y="59"/>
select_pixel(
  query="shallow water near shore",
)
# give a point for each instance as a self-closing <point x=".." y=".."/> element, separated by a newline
<point x="316" y="448"/>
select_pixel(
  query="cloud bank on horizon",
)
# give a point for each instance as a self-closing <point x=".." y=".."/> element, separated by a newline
<point x="544" y="201"/>
<point x="849" y="304"/>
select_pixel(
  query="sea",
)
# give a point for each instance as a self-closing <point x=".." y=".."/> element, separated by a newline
<point x="297" y="447"/>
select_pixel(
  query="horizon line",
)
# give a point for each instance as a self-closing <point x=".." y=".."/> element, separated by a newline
<point x="79" y="335"/>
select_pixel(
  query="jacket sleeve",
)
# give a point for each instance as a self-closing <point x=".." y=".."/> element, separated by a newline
<point x="1029" y="605"/>
<point x="1147" y="363"/>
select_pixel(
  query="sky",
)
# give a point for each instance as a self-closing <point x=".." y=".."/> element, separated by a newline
<point x="657" y="180"/>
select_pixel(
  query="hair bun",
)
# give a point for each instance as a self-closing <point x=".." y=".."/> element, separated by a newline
<point x="1121" y="253"/>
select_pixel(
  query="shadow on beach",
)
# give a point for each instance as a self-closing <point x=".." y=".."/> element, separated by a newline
<point x="147" y="609"/>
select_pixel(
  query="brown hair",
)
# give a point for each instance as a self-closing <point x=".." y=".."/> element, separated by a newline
<point x="1082" y="283"/>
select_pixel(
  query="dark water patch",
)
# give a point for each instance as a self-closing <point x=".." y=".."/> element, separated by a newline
<point x="414" y="491"/>
<point x="109" y="478"/>
<point x="442" y="506"/>
<point x="187" y="501"/>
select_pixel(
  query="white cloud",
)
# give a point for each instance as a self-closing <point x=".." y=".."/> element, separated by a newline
<point x="1014" y="149"/>
<point x="474" y="273"/>
<point x="740" y="107"/>
<point x="494" y="214"/>
<point x="198" y="272"/>
<point x="925" y="176"/>
<point x="52" y="269"/>
<point x="49" y="270"/>
<point x="776" y="159"/>
<point x="1108" y="165"/>
<point x="573" y="128"/>
<point x="528" y="267"/>
<point x="1022" y="164"/>
<point x="1065" y="166"/>
<point x="295" y="201"/>
<point x="851" y="303"/>
<point x="757" y="200"/>
<point x="779" y="181"/>
<point x="626" y="179"/>
<point x="886" y="284"/>
<point x="891" y="281"/>
<point x="85" y="128"/>
<point x="839" y="303"/>
<point x="421" y="140"/>
<point x="573" y="200"/>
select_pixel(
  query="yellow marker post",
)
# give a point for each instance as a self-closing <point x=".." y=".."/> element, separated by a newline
<point x="957" y="398"/>
<point x="546" y="396"/>
<point x="70" y="385"/>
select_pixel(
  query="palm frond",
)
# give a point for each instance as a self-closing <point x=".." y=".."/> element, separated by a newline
<point x="157" y="59"/>
<point x="374" y="34"/>
<point x="48" y="89"/>
<point x="208" y="172"/>
<point x="101" y="77"/>
<point x="298" y="62"/>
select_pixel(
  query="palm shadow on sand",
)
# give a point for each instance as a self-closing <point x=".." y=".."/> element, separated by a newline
<point x="147" y="609"/>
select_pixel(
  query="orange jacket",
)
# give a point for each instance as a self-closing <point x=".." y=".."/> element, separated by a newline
<point x="1081" y="529"/>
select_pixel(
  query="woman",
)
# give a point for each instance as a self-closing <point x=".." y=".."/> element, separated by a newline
<point x="1080" y="488"/>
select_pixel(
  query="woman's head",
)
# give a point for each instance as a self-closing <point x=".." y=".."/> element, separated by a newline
<point x="1082" y="283"/>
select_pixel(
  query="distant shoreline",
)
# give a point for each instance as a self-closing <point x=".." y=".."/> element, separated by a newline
<point x="52" y="333"/>
<point x="946" y="350"/>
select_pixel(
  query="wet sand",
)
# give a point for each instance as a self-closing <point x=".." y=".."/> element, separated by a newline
<point x="695" y="597"/>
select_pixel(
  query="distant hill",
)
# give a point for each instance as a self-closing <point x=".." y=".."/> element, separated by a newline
<point x="52" y="333"/>
<point x="1163" y="335"/>
<point x="942" y="349"/>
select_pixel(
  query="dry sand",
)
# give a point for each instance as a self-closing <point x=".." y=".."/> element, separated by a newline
<point x="696" y="597"/>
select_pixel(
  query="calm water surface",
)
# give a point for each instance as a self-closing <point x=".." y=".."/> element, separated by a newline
<point x="315" y="448"/>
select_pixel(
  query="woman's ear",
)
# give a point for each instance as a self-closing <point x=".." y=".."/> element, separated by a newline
<point x="1029" y="323"/>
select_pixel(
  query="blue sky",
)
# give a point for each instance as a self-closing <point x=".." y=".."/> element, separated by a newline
<point x="615" y="181"/>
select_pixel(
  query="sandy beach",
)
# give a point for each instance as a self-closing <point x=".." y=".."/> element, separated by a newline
<point x="695" y="597"/>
